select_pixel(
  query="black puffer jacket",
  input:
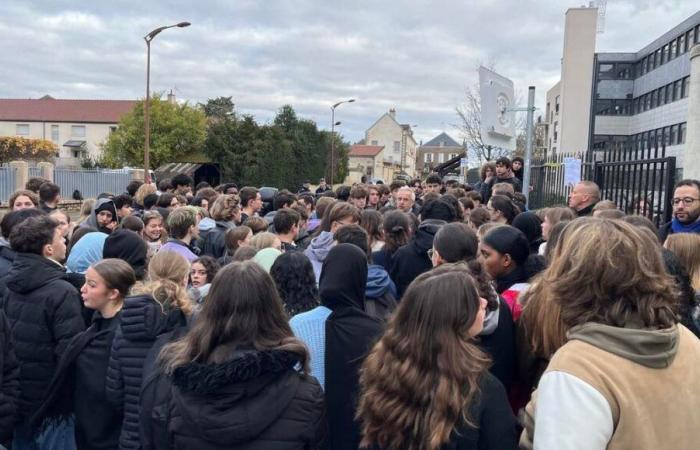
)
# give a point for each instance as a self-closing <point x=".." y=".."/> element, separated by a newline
<point x="412" y="259"/>
<point x="9" y="382"/>
<point x="44" y="314"/>
<point x="213" y="241"/>
<point x="256" y="400"/>
<point x="142" y="321"/>
<point x="7" y="256"/>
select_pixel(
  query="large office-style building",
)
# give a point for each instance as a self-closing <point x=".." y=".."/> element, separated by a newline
<point x="631" y="99"/>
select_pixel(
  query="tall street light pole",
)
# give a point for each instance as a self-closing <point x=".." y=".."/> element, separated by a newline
<point x="146" y="109"/>
<point x="333" y="124"/>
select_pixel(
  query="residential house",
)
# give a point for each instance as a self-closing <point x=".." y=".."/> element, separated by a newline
<point x="77" y="127"/>
<point x="396" y="138"/>
<point x="438" y="150"/>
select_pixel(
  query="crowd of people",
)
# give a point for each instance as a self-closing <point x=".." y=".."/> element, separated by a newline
<point x="423" y="315"/>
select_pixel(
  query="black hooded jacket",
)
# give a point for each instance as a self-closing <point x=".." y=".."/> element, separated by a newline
<point x="128" y="246"/>
<point x="7" y="255"/>
<point x="213" y="241"/>
<point x="44" y="315"/>
<point x="350" y="335"/>
<point x="412" y="259"/>
<point x="255" y="400"/>
<point x="9" y="383"/>
<point x="142" y="322"/>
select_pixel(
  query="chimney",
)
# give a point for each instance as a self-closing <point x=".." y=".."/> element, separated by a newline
<point x="392" y="113"/>
<point x="171" y="97"/>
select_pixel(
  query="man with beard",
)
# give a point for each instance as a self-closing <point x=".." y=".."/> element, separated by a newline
<point x="686" y="210"/>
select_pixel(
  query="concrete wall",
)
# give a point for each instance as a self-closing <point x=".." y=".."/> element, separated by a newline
<point x="95" y="135"/>
<point x="553" y="116"/>
<point x="663" y="116"/>
<point x="387" y="132"/>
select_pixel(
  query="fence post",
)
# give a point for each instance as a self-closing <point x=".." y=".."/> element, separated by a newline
<point x="598" y="174"/>
<point x="670" y="184"/>
<point x="46" y="169"/>
<point x="21" y="173"/>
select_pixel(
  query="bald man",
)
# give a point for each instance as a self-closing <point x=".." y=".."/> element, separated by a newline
<point x="583" y="198"/>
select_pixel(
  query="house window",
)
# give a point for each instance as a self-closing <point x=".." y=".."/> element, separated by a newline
<point x="428" y="158"/>
<point x="112" y="129"/>
<point x="54" y="133"/>
<point x="674" y="134"/>
<point x="664" y="54"/>
<point x="556" y="104"/>
<point x="22" y="129"/>
<point x="681" y="44"/>
<point x="681" y="133"/>
<point x="397" y="146"/>
<point x="76" y="153"/>
<point x="677" y="85"/>
<point x="77" y="130"/>
<point x="686" y="86"/>
<point x="674" y="49"/>
<point x="556" y="134"/>
<point x="669" y="93"/>
<point x="441" y="157"/>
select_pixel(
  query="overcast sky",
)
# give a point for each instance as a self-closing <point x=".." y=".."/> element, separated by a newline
<point x="417" y="56"/>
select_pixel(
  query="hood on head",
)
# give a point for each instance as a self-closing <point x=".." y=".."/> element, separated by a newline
<point x="378" y="282"/>
<point x="425" y="235"/>
<point x="206" y="224"/>
<point x="29" y="272"/>
<point x="320" y="246"/>
<point x="87" y="251"/>
<point x="235" y="401"/>
<point x="655" y="349"/>
<point x="101" y="204"/>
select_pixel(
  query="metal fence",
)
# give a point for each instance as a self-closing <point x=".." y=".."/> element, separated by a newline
<point x="7" y="182"/>
<point x="639" y="179"/>
<point x="91" y="182"/>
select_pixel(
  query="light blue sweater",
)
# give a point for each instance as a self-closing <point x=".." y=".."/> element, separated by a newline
<point x="310" y="327"/>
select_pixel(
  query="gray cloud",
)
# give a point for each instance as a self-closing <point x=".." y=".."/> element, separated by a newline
<point x="417" y="56"/>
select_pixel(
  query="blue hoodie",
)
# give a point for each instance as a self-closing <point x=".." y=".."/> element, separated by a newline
<point x="318" y="250"/>
<point x="378" y="282"/>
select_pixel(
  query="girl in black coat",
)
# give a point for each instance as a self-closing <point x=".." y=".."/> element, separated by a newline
<point x="238" y="379"/>
<point x="78" y="387"/>
<point x="426" y="385"/>
<point x="161" y="307"/>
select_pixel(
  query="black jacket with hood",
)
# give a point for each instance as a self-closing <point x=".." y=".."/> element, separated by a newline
<point x="44" y="315"/>
<point x="412" y="259"/>
<point x="142" y="322"/>
<point x="213" y="242"/>
<point x="9" y="382"/>
<point x="255" y="400"/>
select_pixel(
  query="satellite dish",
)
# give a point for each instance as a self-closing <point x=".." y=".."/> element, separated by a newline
<point x="497" y="116"/>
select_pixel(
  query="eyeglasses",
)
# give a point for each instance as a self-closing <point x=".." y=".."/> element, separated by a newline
<point x="687" y="201"/>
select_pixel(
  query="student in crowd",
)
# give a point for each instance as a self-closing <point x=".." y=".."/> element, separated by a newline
<point x="529" y="223"/>
<point x="457" y="243"/>
<point x="625" y="352"/>
<point x="433" y="183"/>
<point x="604" y="205"/>
<point x="85" y="211"/>
<point x="380" y="292"/>
<point x="9" y="383"/>
<point x="155" y="309"/>
<point x="267" y="257"/>
<point x="282" y="199"/>
<point x="373" y="197"/>
<point x="322" y="205"/>
<point x="257" y="224"/>
<point x="406" y="200"/>
<point x="226" y="213"/>
<point x="396" y="231"/>
<point x="503" y="174"/>
<point x="34" y="183"/>
<point x="412" y="259"/>
<point x="182" y="184"/>
<point x="202" y="272"/>
<point x="426" y="384"/>
<point x="518" y="167"/>
<point x="303" y="238"/>
<point x="140" y="197"/>
<point x="78" y="387"/>
<point x="265" y="240"/>
<point x="507" y="258"/>
<point x="323" y="187"/>
<point x="8" y="223"/>
<point x="153" y="231"/>
<point x="23" y="199"/>
<point x="251" y="202"/>
<point x="478" y="217"/>
<point x="238" y="379"/>
<point x="553" y="216"/>
<point x="183" y="229"/>
<point x="103" y="217"/>
<point x="44" y="315"/>
<point x="686" y="248"/>
<point x="502" y="209"/>
<point x="583" y="198"/>
<point x="129" y="247"/>
<point x="124" y="205"/>
<point x="294" y="277"/>
<point x="168" y="201"/>
<point x="371" y="221"/>
<point x="340" y="214"/>
<point x="85" y="252"/>
<point x="49" y="197"/>
<point x="686" y="210"/>
<point x="339" y="334"/>
<point x="235" y="238"/>
<point x="286" y="224"/>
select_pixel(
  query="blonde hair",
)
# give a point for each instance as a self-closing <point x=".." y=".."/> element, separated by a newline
<point x="263" y="240"/>
<point x="143" y="191"/>
<point x="224" y="207"/>
<point x="167" y="271"/>
<point x="86" y="209"/>
<point x="686" y="246"/>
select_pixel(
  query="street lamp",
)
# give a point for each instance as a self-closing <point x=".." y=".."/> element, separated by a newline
<point x="146" y="113"/>
<point x="333" y="124"/>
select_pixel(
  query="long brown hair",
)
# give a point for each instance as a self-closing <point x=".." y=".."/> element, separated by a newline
<point x="686" y="246"/>
<point x="422" y="376"/>
<point x="167" y="271"/>
<point x="242" y="309"/>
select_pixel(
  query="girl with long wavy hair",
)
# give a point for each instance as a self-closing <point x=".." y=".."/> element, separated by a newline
<point x="426" y="385"/>
<point x="238" y="379"/>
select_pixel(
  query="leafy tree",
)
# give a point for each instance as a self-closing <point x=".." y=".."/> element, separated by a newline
<point x="218" y="108"/>
<point x="176" y="130"/>
<point x="12" y="148"/>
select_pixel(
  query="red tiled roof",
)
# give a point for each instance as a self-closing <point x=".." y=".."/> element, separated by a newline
<point x="55" y="110"/>
<point x="365" y="150"/>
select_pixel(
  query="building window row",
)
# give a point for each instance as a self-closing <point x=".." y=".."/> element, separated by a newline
<point x="668" y="52"/>
<point x="665" y="136"/>
<point x="664" y="95"/>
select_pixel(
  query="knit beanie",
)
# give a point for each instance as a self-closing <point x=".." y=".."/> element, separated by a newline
<point x="128" y="246"/>
<point x="508" y="240"/>
<point x="438" y="210"/>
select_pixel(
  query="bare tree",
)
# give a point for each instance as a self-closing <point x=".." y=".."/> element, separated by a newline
<point x="469" y="125"/>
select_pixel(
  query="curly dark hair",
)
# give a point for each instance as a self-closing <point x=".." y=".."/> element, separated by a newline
<point x="210" y="265"/>
<point x="296" y="283"/>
